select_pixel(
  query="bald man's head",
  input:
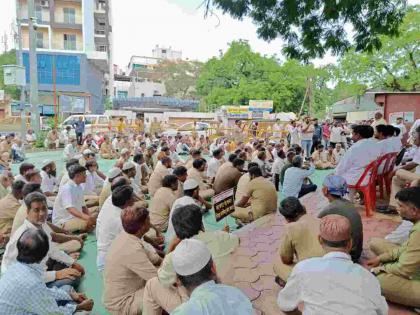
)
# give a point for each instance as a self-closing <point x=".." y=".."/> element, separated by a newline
<point x="335" y="233"/>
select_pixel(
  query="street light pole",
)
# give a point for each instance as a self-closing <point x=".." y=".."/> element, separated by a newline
<point x="33" y="68"/>
<point x="20" y="63"/>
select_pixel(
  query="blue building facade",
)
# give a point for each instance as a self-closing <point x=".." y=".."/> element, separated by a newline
<point x="78" y="82"/>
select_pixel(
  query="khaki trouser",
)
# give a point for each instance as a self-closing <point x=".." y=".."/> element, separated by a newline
<point x="282" y="270"/>
<point x="319" y="165"/>
<point x="70" y="246"/>
<point x="77" y="224"/>
<point x="91" y="201"/>
<point x="402" y="178"/>
<point x="241" y="214"/>
<point x="394" y="288"/>
<point x="157" y="297"/>
<point x="379" y="246"/>
<point x="206" y="193"/>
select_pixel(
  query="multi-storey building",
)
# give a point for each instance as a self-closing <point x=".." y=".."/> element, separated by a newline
<point x="74" y="53"/>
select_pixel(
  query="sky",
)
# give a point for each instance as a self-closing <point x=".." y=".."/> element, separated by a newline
<point x="139" y="25"/>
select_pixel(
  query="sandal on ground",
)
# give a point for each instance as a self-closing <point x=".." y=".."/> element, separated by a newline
<point x="387" y="210"/>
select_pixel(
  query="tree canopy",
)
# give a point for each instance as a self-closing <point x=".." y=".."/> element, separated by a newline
<point x="179" y="77"/>
<point x="394" y="67"/>
<point x="310" y="28"/>
<point x="241" y="75"/>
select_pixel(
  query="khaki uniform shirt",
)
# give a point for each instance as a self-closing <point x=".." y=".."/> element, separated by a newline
<point x="221" y="244"/>
<point x="5" y="147"/>
<point x="300" y="240"/>
<point x="155" y="181"/>
<point x="105" y="193"/>
<point x="263" y="196"/>
<point x="105" y="148"/>
<point x="160" y="207"/>
<point x="128" y="266"/>
<point x="226" y="180"/>
<point x="241" y="188"/>
<point x="193" y="173"/>
<point x="404" y="261"/>
<point x="9" y="205"/>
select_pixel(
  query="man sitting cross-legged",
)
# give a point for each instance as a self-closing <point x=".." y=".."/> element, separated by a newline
<point x="22" y="287"/>
<point x="70" y="211"/>
<point x="130" y="262"/>
<point x="300" y="239"/>
<point x="62" y="269"/>
<point x="398" y="268"/>
<point x="109" y="219"/>
<point x="64" y="240"/>
<point x="332" y="284"/>
<point x="162" y="292"/>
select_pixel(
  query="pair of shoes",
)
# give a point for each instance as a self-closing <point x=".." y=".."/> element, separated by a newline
<point x="386" y="210"/>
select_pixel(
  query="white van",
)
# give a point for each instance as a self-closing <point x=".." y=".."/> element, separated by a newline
<point x="93" y="123"/>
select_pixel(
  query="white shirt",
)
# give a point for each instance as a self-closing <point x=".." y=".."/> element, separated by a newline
<point x="293" y="180"/>
<point x="331" y="285"/>
<point x="403" y="129"/>
<point x="108" y="226"/>
<point x="401" y="233"/>
<point x="294" y="135"/>
<point x="335" y="135"/>
<point x="69" y="152"/>
<point x="277" y="130"/>
<point x="212" y="167"/>
<point x="277" y="165"/>
<point x="114" y="144"/>
<point x="93" y="185"/>
<point x="338" y="155"/>
<point x="414" y="127"/>
<point x="30" y="137"/>
<point x="138" y="177"/>
<point x="180" y="202"/>
<point x="20" y="177"/>
<point x="355" y="160"/>
<point x="69" y="196"/>
<point x="49" y="183"/>
<point x="175" y="157"/>
<point x="390" y="145"/>
<point x="53" y="253"/>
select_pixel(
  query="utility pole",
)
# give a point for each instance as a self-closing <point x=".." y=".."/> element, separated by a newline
<point x="33" y="67"/>
<point x="20" y="63"/>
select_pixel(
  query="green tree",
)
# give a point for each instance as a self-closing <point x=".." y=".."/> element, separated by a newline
<point x="8" y="58"/>
<point x="309" y="28"/>
<point x="395" y="66"/>
<point x="241" y="75"/>
<point x="179" y="77"/>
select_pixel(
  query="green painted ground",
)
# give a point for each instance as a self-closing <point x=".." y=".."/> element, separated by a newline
<point x="92" y="284"/>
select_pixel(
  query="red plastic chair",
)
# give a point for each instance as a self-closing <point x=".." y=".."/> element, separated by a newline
<point x="368" y="189"/>
<point x="384" y="179"/>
